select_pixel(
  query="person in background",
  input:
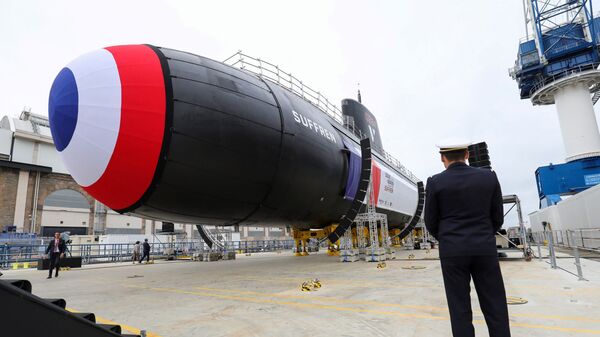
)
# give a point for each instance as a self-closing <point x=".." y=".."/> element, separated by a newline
<point x="136" y="251"/>
<point x="55" y="251"/>
<point x="463" y="211"/>
<point x="146" y="252"/>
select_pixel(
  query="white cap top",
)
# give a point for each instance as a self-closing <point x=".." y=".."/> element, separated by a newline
<point x="453" y="144"/>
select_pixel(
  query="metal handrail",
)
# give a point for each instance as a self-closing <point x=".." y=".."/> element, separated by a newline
<point x="213" y="237"/>
<point x="526" y="38"/>
<point x="273" y="73"/>
<point x="548" y="80"/>
<point x="91" y="253"/>
<point x="582" y="238"/>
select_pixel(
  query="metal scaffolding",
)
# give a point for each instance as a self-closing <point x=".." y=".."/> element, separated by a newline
<point x="378" y="246"/>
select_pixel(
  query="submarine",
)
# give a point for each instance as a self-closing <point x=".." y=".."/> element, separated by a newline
<point x="169" y="135"/>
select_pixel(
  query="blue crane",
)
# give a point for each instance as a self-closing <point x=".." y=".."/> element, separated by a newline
<point x="557" y="63"/>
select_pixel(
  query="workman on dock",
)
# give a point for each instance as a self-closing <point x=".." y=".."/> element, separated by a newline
<point x="463" y="211"/>
<point x="146" y="250"/>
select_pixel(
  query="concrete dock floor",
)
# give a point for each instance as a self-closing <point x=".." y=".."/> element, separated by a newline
<point x="260" y="295"/>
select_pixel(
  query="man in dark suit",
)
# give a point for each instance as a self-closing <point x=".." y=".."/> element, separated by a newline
<point x="55" y="251"/>
<point x="146" y="250"/>
<point x="463" y="211"/>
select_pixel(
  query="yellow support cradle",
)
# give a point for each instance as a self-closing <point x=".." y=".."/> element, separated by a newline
<point x="302" y="237"/>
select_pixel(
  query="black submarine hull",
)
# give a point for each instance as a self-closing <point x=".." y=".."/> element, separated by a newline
<point x="239" y="149"/>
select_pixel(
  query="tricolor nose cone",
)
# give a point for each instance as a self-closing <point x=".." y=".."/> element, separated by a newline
<point x="107" y="114"/>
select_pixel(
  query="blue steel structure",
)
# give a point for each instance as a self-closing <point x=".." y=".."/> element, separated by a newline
<point x="564" y="41"/>
<point x="556" y="50"/>
<point x="553" y="181"/>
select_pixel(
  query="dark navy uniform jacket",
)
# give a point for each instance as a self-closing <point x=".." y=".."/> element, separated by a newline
<point x="464" y="210"/>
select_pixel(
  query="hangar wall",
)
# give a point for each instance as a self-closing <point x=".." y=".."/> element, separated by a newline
<point x="579" y="211"/>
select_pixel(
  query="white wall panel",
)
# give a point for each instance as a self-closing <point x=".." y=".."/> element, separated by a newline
<point x="64" y="217"/>
<point x="579" y="211"/>
<point x="5" y="142"/>
<point x="48" y="156"/>
<point x="23" y="151"/>
<point x="116" y="220"/>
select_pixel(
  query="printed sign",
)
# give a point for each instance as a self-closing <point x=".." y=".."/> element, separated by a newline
<point x="391" y="191"/>
<point x="592" y="179"/>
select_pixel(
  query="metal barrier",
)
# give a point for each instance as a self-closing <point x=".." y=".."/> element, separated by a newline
<point x="573" y="240"/>
<point x="551" y="250"/>
<point x="19" y="254"/>
<point x="585" y="239"/>
<point x="578" y="70"/>
<point x="259" y="246"/>
<point x="577" y="257"/>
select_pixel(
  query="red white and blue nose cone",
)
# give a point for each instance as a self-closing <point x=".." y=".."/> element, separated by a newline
<point x="107" y="114"/>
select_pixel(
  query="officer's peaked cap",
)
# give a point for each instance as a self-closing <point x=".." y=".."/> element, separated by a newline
<point x="453" y="144"/>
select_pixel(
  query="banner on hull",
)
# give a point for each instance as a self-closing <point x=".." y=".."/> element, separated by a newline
<point x="390" y="191"/>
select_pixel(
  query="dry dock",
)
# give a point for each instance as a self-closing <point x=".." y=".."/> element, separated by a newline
<point x="260" y="295"/>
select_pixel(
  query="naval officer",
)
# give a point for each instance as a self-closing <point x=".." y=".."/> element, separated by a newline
<point x="463" y="211"/>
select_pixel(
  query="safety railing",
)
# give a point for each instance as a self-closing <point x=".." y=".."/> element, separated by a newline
<point x="396" y="163"/>
<point x="585" y="239"/>
<point x="15" y="255"/>
<point x="547" y="80"/>
<point x="258" y="246"/>
<point x="572" y="242"/>
<point x="273" y="73"/>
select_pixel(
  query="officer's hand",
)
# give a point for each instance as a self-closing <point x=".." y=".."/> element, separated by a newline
<point x="62" y="255"/>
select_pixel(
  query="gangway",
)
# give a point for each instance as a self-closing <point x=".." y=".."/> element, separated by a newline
<point x="522" y="246"/>
<point x="212" y="241"/>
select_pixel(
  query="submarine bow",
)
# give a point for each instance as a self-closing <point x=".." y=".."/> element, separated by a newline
<point x="170" y="135"/>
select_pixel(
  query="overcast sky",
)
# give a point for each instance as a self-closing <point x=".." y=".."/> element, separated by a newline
<point x="427" y="69"/>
